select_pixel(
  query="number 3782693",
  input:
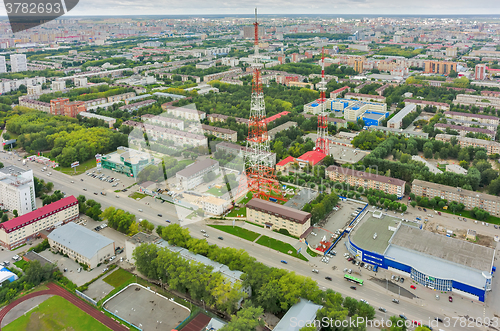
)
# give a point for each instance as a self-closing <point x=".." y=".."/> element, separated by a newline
<point x="33" y="8"/>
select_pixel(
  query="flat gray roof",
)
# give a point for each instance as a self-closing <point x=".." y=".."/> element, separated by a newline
<point x="457" y="251"/>
<point x="362" y="235"/>
<point x="402" y="113"/>
<point x="303" y="311"/>
<point x="79" y="239"/>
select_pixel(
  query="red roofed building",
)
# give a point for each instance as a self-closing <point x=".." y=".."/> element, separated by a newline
<point x="275" y="117"/>
<point x="311" y="158"/>
<point x="19" y="230"/>
<point x="334" y="94"/>
<point x="285" y="163"/>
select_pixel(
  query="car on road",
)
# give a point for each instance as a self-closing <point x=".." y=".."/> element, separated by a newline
<point x="6" y="263"/>
<point x="352" y="287"/>
<point x="95" y="193"/>
<point x="283" y="261"/>
<point x="167" y="221"/>
<point x="159" y="215"/>
<point x="316" y="271"/>
<point x="382" y="309"/>
<point x="496" y="226"/>
<point x="418" y="219"/>
<point x="203" y="231"/>
<point x="220" y="238"/>
<point x="439" y="213"/>
<point x="450" y="299"/>
<point x="413" y="287"/>
<point x="403" y="317"/>
<point x="395" y="300"/>
<point x="117" y="196"/>
<point x="419" y="208"/>
<point x="402" y="280"/>
<point x="328" y="278"/>
<point x="438" y="319"/>
<point x="425" y="210"/>
<point x="81" y="179"/>
<point x="206" y="235"/>
<point x="363" y="300"/>
<point x="140" y="210"/>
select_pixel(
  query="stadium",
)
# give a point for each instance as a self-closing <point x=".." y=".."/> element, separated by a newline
<point x="436" y="261"/>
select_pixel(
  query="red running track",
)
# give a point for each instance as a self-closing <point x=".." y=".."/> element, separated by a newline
<point x="57" y="290"/>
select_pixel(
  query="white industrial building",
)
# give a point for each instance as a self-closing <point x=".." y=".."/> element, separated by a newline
<point x="17" y="189"/>
<point x="81" y="244"/>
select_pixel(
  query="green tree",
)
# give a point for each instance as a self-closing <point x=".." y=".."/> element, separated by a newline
<point x="248" y="318"/>
<point x="15" y="213"/>
<point x="5" y="218"/>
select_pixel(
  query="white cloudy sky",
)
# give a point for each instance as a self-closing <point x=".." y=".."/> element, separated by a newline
<point x="209" y="7"/>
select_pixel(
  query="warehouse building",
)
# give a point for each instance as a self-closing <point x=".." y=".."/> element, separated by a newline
<point x="438" y="262"/>
<point x="275" y="217"/>
<point x="192" y="175"/>
<point x="81" y="244"/>
<point x="19" y="230"/>
<point x="367" y="180"/>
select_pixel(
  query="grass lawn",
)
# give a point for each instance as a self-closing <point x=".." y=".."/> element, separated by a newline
<point x="137" y="195"/>
<point x="310" y="252"/>
<point x="21" y="264"/>
<point x="238" y="211"/>
<point x="237" y="231"/>
<point x="247" y="198"/>
<point x="89" y="164"/>
<point x="280" y="246"/>
<point x="217" y="192"/>
<point x="119" y="277"/>
<point x="465" y="213"/>
<point x="55" y="313"/>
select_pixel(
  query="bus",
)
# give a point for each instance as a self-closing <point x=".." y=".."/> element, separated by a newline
<point x="353" y="279"/>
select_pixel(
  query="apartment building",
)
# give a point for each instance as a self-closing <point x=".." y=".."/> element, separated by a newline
<point x="62" y="106"/>
<point x="463" y="130"/>
<point x="439" y="67"/>
<point x="470" y="199"/>
<point x="477" y="100"/>
<point x="367" y="180"/>
<point x="192" y="175"/>
<point x="472" y="117"/>
<point x="18" y="63"/>
<point x="3" y="65"/>
<point x="220" y="75"/>
<point x="226" y="134"/>
<point x="109" y="120"/>
<point x="480" y="71"/>
<point x="365" y="97"/>
<point x="121" y="97"/>
<point x="423" y="103"/>
<point x="396" y="122"/>
<point x="178" y="137"/>
<point x="336" y="93"/>
<point x="163" y="121"/>
<point x="274" y="216"/>
<point x="184" y="112"/>
<point x="35" y="104"/>
<point x="19" y="230"/>
<point x="138" y="105"/>
<point x="214" y="206"/>
<point x="17" y="190"/>
<point x="81" y="244"/>
<point x="492" y="147"/>
<point x="223" y="118"/>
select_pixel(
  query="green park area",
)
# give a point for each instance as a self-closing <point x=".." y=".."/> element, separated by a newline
<point x="137" y="195"/>
<point x="119" y="277"/>
<point x="238" y="212"/>
<point x="55" y="313"/>
<point x="83" y="167"/>
<point x="237" y="231"/>
<point x="216" y="191"/>
<point x="280" y="246"/>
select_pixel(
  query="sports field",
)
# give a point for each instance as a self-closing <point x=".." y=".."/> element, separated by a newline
<point x="55" y="313"/>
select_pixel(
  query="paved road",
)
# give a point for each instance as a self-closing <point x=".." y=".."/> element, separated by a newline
<point x="377" y="296"/>
<point x="57" y="290"/>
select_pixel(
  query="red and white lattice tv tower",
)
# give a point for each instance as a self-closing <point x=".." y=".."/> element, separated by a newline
<point x="261" y="177"/>
<point x="322" y="142"/>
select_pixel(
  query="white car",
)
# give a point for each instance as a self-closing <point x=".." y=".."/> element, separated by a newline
<point x="363" y="300"/>
<point x="205" y="235"/>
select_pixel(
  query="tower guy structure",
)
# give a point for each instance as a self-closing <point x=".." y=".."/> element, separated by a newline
<point x="322" y="142"/>
<point x="261" y="177"/>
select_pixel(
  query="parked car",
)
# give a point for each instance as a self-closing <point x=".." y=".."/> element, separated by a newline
<point x="283" y="261"/>
<point x="425" y="210"/>
<point x="402" y="280"/>
<point x="450" y="299"/>
<point x="413" y="287"/>
<point x="439" y="213"/>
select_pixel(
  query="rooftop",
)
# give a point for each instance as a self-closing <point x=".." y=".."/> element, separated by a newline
<point x="467" y="139"/>
<point x="457" y="190"/>
<point x="458" y="251"/>
<point x="424" y="102"/>
<point x="38" y="213"/>
<point x="360" y="95"/>
<point x="217" y="129"/>
<point x="456" y="113"/>
<point x="79" y="239"/>
<point x="464" y="128"/>
<point x="275" y="117"/>
<point x="303" y="311"/>
<point x="168" y="131"/>
<point x="142" y="237"/>
<point x="312" y="157"/>
<point x="196" y="167"/>
<point x="292" y="214"/>
<point x="285" y="161"/>
<point x="402" y="113"/>
<point x="99" y="117"/>
<point x="363" y="233"/>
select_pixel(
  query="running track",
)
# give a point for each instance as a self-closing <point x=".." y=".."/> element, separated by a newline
<point x="57" y="290"/>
